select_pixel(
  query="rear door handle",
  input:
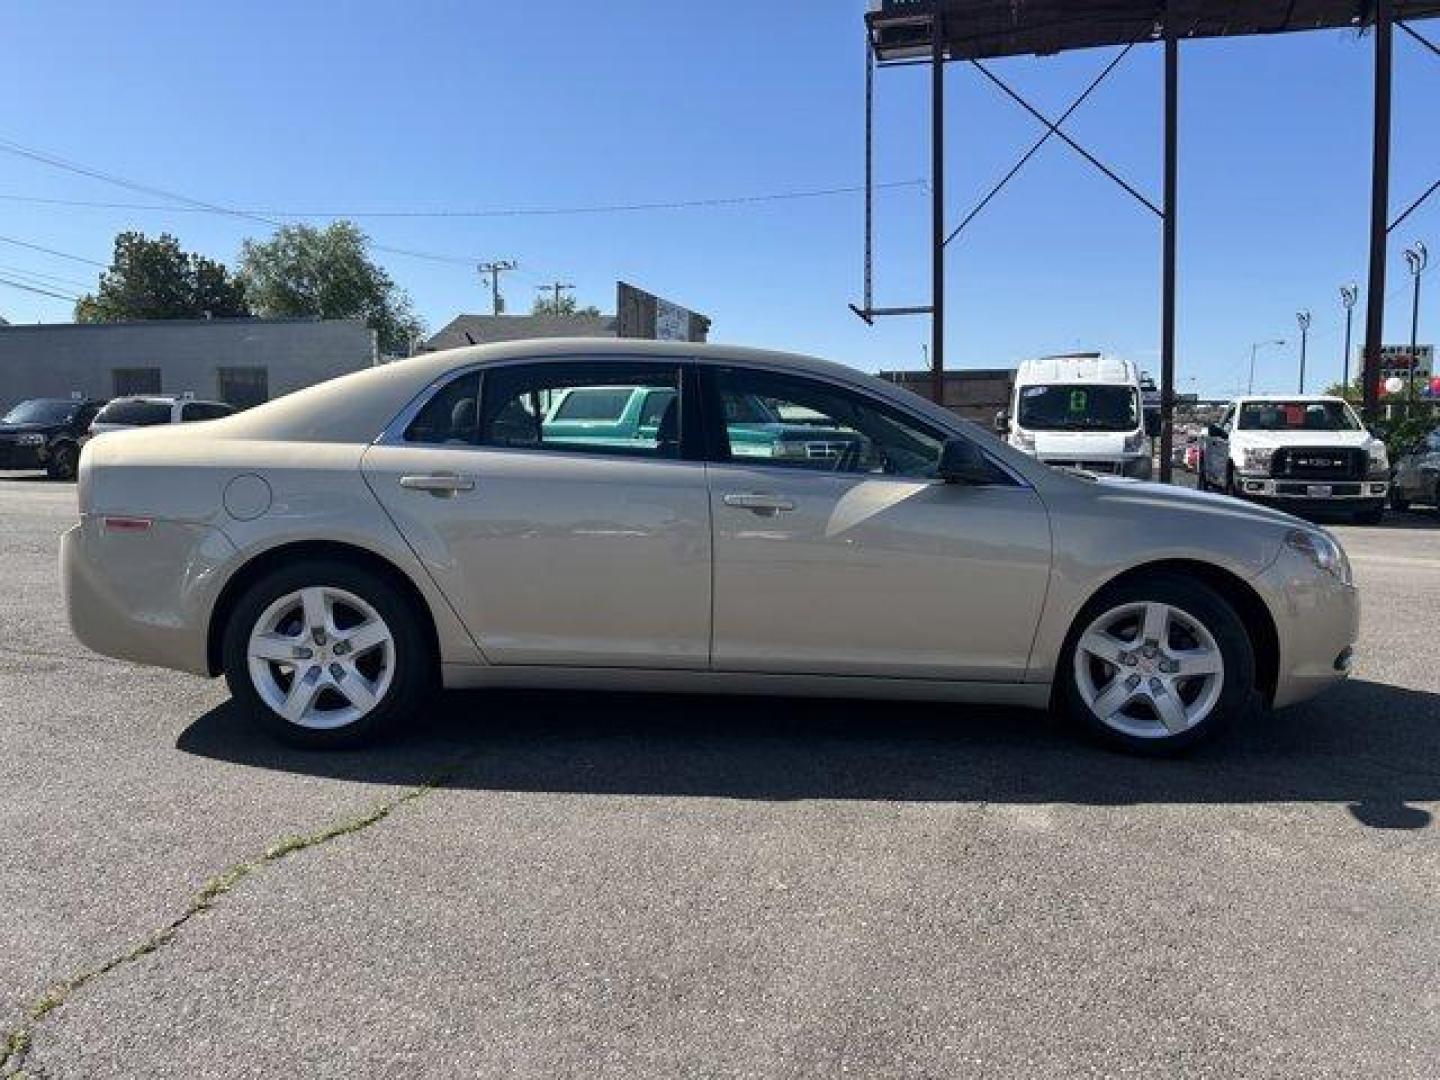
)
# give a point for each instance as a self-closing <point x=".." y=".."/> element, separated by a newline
<point x="438" y="484"/>
<point x="759" y="502"/>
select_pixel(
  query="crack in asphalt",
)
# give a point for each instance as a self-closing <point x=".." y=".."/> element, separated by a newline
<point x="18" y="1041"/>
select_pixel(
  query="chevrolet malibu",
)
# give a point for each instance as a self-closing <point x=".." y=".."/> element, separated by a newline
<point x="342" y="551"/>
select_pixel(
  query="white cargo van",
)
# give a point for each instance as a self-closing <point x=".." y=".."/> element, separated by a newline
<point x="1082" y="411"/>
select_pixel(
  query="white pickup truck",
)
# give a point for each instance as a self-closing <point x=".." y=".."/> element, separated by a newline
<point x="1297" y="453"/>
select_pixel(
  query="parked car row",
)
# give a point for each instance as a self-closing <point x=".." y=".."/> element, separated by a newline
<point x="47" y="433"/>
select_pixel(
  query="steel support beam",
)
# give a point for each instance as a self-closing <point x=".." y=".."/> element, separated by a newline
<point x="1379" y="210"/>
<point x="937" y="206"/>
<point x="1167" y="257"/>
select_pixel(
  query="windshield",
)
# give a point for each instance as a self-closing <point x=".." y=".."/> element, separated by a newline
<point x="41" y="411"/>
<point x="1079" y="408"/>
<point x="137" y="413"/>
<point x="1297" y="416"/>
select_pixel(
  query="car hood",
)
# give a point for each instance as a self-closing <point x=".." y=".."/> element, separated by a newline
<point x="1167" y="496"/>
<point x="1079" y="443"/>
<point x="1277" y="439"/>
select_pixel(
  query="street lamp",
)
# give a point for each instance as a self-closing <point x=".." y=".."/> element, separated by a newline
<point x="1349" y="294"/>
<point x="1415" y="257"/>
<point x="1250" y="386"/>
<point x="1303" y="318"/>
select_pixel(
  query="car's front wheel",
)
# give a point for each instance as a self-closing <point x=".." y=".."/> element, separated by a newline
<point x="326" y="654"/>
<point x="1157" y="664"/>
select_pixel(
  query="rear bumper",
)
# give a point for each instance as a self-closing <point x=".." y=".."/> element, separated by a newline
<point x="144" y="596"/>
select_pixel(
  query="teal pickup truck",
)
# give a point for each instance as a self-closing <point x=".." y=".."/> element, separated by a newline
<point x="632" y="415"/>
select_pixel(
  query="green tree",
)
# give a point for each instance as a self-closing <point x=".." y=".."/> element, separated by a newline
<point x="327" y="273"/>
<point x="156" y="279"/>
<point x="566" y="305"/>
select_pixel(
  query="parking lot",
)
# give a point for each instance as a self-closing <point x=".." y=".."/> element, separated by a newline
<point x="589" y="885"/>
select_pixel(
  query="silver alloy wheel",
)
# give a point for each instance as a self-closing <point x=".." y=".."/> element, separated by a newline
<point x="1149" y="669"/>
<point x="321" y="657"/>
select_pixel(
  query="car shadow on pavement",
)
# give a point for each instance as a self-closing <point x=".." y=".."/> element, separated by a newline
<point x="1369" y="746"/>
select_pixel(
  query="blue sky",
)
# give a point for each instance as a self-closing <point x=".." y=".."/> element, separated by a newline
<point x="369" y="106"/>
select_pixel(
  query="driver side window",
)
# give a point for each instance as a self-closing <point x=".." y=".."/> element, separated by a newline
<point x="805" y="424"/>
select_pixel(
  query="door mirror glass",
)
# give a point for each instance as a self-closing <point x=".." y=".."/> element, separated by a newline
<point x="1152" y="423"/>
<point x="961" y="462"/>
<point x="1216" y="432"/>
<point x="1002" y="422"/>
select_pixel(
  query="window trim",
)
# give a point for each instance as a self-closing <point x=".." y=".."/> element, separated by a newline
<point x="692" y="449"/>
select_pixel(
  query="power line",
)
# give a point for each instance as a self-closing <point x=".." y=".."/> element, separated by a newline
<point x="35" y="275"/>
<point x="481" y="212"/>
<point x="37" y="289"/>
<point x="52" y="251"/>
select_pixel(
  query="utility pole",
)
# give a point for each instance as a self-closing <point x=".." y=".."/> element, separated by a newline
<point x="493" y="270"/>
<point x="1416" y="258"/>
<point x="1303" y="318"/>
<point x="1349" y="294"/>
<point x="556" y="287"/>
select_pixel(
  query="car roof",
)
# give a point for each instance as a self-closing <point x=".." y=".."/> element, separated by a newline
<point x="1289" y="397"/>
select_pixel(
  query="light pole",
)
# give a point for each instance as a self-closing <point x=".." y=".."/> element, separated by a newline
<point x="1349" y="294"/>
<point x="1415" y="257"/>
<point x="1250" y="386"/>
<point x="1303" y="318"/>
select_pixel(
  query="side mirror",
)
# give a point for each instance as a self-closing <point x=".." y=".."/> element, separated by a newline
<point x="1002" y="422"/>
<point x="1216" y="432"/>
<point x="961" y="462"/>
<point x="1152" y="423"/>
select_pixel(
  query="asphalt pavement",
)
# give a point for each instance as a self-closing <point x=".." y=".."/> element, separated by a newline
<point x="557" y="885"/>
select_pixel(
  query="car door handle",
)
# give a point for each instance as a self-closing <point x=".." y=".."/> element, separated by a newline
<point x="438" y="484"/>
<point x="758" y="502"/>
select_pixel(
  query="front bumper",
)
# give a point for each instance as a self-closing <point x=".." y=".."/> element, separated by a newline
<point x="144" y="596"/>
<point x="1322" y="496"/>
<point x="1317" y="621"/>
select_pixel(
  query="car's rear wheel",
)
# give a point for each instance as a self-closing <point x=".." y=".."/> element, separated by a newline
<point x="64" y="461"/>
<point x="326" y="654"/>
<point x="1157" y="664"/>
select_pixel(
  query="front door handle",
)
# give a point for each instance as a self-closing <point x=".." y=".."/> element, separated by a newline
<point x="763" y="503"/>
<point x="440" y="485"/>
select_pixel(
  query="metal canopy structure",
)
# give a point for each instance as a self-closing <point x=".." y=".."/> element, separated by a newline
<point x="935" y="32"/>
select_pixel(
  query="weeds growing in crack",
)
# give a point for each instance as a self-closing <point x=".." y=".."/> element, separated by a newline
<point x="17" y="1042"/>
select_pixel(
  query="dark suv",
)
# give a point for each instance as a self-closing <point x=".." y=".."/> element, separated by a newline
<point x="45" y="433"/>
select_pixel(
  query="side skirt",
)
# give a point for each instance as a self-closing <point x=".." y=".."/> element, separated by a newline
<point x="644" y="680"/>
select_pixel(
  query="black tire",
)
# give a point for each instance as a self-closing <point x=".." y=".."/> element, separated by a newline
<point x="1196" y="600"/>
<point x="1398" y="502"/>
<point x="1231" y="487"/>
<point x="64" y="462"/>
<point x="1373" y="516"/>
<point x="414" y="674"/>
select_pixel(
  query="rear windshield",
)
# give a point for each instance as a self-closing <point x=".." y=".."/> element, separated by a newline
<point x="138" y="413"/>
<point x="1297" y="416"/>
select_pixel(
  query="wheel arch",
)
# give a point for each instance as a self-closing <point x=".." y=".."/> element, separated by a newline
<point x="265" y="561"/>
<point x="1254" y="613"/>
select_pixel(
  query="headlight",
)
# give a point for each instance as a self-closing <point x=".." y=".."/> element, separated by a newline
<point x="1135" y="443"/>
<point x="1379" y="459"/>
<point x="1023" y="440"/>
<point x="32" y="438"/>
<point x="1322" y="550"/>
<point x="1256" y="459"/>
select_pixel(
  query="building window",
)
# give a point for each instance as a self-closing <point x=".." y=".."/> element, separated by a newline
<point x="129" y="381"/>
<point x="244" y="386"/>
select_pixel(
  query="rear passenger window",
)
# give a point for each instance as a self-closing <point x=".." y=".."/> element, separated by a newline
<point x="450" y="416"/>
<point x="598" y="407"/>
